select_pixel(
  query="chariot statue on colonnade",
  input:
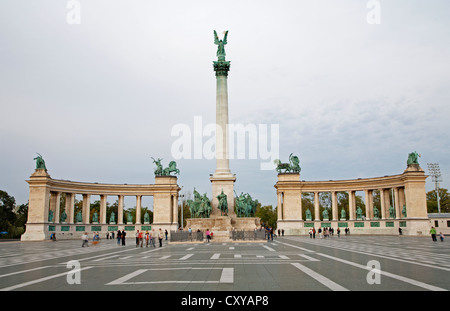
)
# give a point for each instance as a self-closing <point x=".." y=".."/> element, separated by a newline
<point x="293" y="165"/>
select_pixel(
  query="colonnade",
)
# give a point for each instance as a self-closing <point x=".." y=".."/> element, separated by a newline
<point x="45" y="197"/>
<point x="385" y="203"/>
<point x="407" y="209"/>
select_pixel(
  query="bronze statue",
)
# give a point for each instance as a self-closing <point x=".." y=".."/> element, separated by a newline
<point x="221" y="45"/>
<point x="40" y="163"/>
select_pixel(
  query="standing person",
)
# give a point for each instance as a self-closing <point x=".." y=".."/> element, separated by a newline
<point x="271" y="233"/>
<point x="208" y="235"/>
<point x="399" y="231"/>
<point x="282" y="232"/>
<point x="137" y="238"/>
<point x="141" y="238"/>
<point x="314" y="233"/>
<point x="279" y="232"/>
<point x="166" y="233"/>
<point x="441" y="235"/>
<point x="160" y="237"/>
<point x="85" y="240"/>
<point x="124" y="234"/>
<point x="147" y="238"/>
<point x="153" y="237"/>
<point x="433" y="234"/>
<point x="119" y="236"/>
<point x="310" y="233"/>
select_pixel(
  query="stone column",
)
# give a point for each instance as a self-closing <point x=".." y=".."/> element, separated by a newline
<point x="351" y="205"/>
<point x="138" y="209"/>
<point x="222" y="179"/>
<point x="120" y="211"/>
<point x="334" y="205"/>
<point x="316" y="206"/>
<point x="70" y="203"/>
<point x="368" y="204"/>
<point x="86" y="212"/>
<point x="103" y="199"/>
<point x="401" y="199"/>
<point x="397" y="204"/>
<point x="383" y="204"/>
<point x="57" y="214"/>
<point x="279" y="206"/>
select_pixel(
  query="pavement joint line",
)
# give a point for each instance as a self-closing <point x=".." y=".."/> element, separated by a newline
<point x="388" y="274"/>
<point x="43" y="279"/>
<point x="320" y="278"/>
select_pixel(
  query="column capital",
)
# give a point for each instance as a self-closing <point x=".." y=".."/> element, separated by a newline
<point x="221" y="68"/>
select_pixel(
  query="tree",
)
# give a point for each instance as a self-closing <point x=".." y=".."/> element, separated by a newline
<point x="444" y="201"/>
<point x="267" y="214"/>
<point x="7" y="215"/>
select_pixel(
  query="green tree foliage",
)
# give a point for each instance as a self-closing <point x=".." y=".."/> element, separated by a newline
<point x="12" y="217"/>
<point x="444" y="201"/>
<point x="267" y="214"/>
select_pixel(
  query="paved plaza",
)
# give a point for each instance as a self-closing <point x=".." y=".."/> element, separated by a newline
<point x="354" y="263"/>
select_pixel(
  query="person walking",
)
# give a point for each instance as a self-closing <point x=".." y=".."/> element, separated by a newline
<point x="441" y="236"/>
<point x="433" y="234"/>
<point x="85" y="240"/>
<point x="124" y="234"/>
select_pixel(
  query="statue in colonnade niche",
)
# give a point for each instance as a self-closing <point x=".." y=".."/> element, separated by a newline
<point x="63" y="216"/>
<point x="359" y="213"/>
<point x="308" y="214"/>
<point x="79" y="217"/>
<point x="391" y="212"/>
<point x="95" y="217"/>
<point x="112" y="218"/>
<point x="376" y="213"/>
<point x="343" y="214"/>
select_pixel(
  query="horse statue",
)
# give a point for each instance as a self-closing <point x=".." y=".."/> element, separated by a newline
<point x="172" y="168"/>
<point x="292" y="166"/>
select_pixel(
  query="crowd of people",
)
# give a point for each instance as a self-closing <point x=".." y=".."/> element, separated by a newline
<point x="149" y="237"/>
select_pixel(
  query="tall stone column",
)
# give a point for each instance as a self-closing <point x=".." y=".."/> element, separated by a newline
<point x="334" y="205"/>
<point x="103" y="199"/>
<point x="316" y="206"/>
<point x="120" y="211"/>
<point x="222" y="179"/>
<point x="86" y="212"/>
<point x="138" y="209"/>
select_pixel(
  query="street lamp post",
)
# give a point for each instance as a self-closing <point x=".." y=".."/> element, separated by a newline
<point x="435" y="172"/>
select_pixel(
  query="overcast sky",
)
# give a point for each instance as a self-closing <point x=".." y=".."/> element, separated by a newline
<point x="98" y="99"/>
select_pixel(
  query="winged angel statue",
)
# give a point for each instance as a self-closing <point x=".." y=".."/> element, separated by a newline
<point x="221" y="45"/>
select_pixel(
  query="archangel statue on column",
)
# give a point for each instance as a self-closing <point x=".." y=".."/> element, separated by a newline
<point x="221" y="45"/>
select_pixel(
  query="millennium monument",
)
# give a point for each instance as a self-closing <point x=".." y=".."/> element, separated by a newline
<point x="219" y="215"/>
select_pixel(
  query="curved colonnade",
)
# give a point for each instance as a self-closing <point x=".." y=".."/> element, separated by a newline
<point x="408" y="191"/>
<point x="45" y="194"/>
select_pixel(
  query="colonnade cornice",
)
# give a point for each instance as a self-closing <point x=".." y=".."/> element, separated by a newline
<point x="361" y="184"/>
